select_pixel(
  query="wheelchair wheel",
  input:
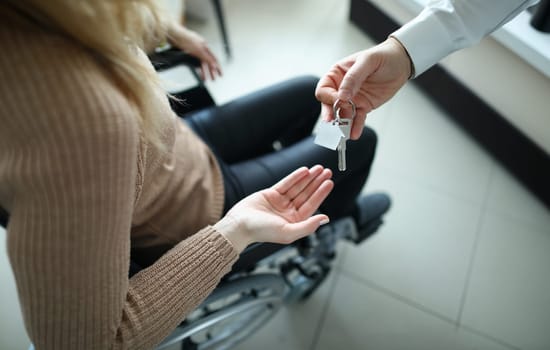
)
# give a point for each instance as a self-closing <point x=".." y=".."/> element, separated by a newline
<point x="234" y="311"/>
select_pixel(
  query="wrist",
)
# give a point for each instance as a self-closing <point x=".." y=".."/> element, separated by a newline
<point x="176" y="33"/>
<point x="234" y="232"/>
<point x="405" y="55"/>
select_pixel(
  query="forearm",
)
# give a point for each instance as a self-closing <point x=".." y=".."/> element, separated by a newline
<point x="446" y="26"/>
<point x="160" y="296"/>
<point x="79" y="296"/>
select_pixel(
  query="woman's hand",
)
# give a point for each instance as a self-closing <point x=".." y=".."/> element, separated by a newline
<point x="282" y="213"/>
<point x="195" y="45"/>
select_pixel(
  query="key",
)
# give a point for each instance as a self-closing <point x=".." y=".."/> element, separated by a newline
<point x="333" y="135"/>
<point x="345" y="128"/>
<point x="342" y="155"/>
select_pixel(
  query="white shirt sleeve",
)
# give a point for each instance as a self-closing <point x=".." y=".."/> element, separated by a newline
<point x="445" y="26"/>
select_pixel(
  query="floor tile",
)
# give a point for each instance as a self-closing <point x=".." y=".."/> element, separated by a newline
<point x="422" y="251"/>
<point x="422" y="143"/>
<point x="508" y="296"/>
<point x="360" y="318"/>
<point x="508" y="197"/>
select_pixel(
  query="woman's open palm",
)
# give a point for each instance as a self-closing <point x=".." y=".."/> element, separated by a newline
<point x="283" y="213"/>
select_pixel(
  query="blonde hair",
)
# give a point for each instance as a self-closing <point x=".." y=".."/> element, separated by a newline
<point x="112" y="29"/>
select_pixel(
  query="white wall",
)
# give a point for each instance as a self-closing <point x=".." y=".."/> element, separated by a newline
<point x="520" y="93"/>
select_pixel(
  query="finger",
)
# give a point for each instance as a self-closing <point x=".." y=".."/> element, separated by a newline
<point x="201" y="72"/>
<point x="212" y="70"/>
<point x="315" y="200"/>
<point x="357" y="126"/>
<point x="327" y="89"/>
<point x="299" y="186"/>
<point x="327" y="113"/>
<point x="217" y="69"/>
<point x="311" y="188"/>
<point x="213" y="60"/>
<point x="206" y="69"/>
<point x="211" y="55"/>
<point x="301" y="229"/>
<point x="355" y="76"/>
<point x="212" y="65"/>
<point x="288" y="181"/>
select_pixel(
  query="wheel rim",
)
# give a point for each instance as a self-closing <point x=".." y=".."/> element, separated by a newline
<point x="231" y="313"/>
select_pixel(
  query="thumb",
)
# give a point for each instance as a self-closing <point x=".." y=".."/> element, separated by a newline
<point x="356" y="76"/>
<point x="303" y="228"/>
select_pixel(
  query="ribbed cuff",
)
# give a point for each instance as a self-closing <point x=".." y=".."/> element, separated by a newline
<point x="163" y="294"/>
<point x="219" y="192"/>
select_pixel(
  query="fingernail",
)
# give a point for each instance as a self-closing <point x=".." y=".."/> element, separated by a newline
<point x="324" y="222"/>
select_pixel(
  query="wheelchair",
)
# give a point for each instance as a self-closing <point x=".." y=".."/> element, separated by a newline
<point x="266" y="276"/>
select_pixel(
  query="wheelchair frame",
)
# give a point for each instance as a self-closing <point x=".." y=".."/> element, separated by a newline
<point x="261" y="282"/>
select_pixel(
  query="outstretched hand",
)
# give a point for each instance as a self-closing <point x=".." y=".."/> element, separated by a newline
<point x="282" y="213"/>
<point x="368" y="78"/>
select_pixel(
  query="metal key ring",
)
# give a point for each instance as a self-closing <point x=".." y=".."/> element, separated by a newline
<point x="336" y="109"/>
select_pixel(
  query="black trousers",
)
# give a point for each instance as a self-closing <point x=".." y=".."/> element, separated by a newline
<point x="262" y="137"/>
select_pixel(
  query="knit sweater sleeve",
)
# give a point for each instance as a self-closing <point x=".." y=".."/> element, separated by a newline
<point x="69" y="160"/>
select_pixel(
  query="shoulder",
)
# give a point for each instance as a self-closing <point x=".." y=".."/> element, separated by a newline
<point x="50" y="85"/>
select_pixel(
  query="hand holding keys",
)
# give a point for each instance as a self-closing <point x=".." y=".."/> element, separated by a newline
<point x="334" y="134"/>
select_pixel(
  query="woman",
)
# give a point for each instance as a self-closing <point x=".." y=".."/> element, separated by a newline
<point x="93" y="163"/>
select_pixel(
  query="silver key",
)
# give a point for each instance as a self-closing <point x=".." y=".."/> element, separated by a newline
<point x="345" y="127"/>
<point x="342" y="155"/>
<point x="333" y="135"/>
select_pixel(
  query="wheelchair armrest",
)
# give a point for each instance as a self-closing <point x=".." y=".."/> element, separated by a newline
<point x="4" y="218"/>
<point x="254" y="253"/>
<point x="172" y="57"/>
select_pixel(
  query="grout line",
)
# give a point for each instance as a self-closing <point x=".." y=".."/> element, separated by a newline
<point x="503" y="214"/>
<point x="490" y="337"/>
<point x="372" y="285"/>
<point x="396" y="296"/>
<point x="473" y="255"/>
<point x="321" y="323"/>
<point x="343" y="247"/>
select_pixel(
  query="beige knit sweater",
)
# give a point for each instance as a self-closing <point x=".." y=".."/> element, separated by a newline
<point x="80" y="185"/>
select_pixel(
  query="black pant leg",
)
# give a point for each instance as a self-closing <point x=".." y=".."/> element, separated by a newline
<point x="248" y="126"/>
<point x="262" y="172"/>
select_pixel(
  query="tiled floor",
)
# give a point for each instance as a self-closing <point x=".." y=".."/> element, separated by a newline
<point x="462" y="261"/>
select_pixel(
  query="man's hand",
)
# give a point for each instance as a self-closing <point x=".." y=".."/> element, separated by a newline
<point x="369" y="78"/>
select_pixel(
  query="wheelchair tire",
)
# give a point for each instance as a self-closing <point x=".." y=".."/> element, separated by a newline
<point x="234" y="311"/>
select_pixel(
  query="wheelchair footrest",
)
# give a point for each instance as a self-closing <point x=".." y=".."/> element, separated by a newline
<point x="346" y="228"/>
<point x="366" y="231"/>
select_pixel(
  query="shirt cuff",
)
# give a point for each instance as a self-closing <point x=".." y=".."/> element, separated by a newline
<point x="426" y="41"/>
